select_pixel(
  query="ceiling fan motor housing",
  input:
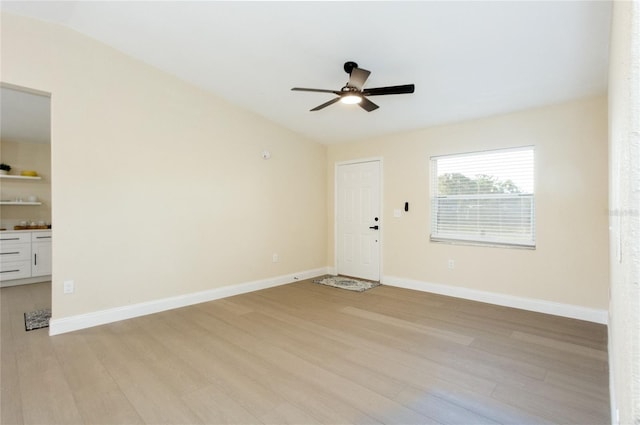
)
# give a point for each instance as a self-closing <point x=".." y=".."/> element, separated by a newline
<point x="348" y="67"/>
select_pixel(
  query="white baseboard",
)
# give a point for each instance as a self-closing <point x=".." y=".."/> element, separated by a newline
<point x="82" y="321"/>
<point x="531" y="304"/>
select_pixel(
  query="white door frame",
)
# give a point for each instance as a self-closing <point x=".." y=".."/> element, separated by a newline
<point x="335" y="210"/>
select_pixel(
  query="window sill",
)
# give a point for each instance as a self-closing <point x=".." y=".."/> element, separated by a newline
<point x="479" y="243"/>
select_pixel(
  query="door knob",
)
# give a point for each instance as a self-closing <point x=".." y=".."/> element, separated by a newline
<point x="374" y="227"/>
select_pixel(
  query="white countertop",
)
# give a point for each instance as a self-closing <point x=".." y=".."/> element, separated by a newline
<point x="26" y="230"/>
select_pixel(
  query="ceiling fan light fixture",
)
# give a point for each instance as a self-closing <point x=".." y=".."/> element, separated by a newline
<point x="351" y="99"/>
<point x="353" y="92"/>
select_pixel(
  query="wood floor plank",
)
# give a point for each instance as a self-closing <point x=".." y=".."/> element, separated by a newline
<point x="411" y="366"/>
<point x="98" y="397"/>
<point x="361" y="397"/>
<point x="561" y="328"/>
<point x="180" y="376"/>
<point x="279" y="386"/>
<point x="586" y="368"/>
<point x="10" y="393"/>
<point x="81" y="366"/>
<point x="576" y="384"/>
<point x="338" y="361"/>
<point x="439" y="409"/>
<point x="305" y="353"/>
<point x="10" y="399"/>
<point x="106" y="405"/>
<point x="438" y="333"/>
<point x="487" y="406"/>
<point x="549" y="407"/>
<point x="231" y="369"/>
<point x="358" y="363"/>
<point x="460" y="358"/>
<point x="214" y="406"/>
<point x="561" y="345"/>
<point x="46" y="395"/>
<point x="153" y="400"/>
<point x="288" y="414"/>
<point x="322" y="404"/>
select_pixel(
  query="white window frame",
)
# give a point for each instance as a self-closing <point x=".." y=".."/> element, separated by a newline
<point x="527" y="200"/>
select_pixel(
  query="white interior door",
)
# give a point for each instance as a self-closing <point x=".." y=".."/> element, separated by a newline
<point x="358" y="220"/>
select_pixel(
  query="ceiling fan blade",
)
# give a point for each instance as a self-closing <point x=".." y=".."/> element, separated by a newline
<point x="367" y="105"/>
<point x="324" y="105"/>
<point x="315" y="90"/>
<point x="358" y="77"/>
<point x="379" y="91"/>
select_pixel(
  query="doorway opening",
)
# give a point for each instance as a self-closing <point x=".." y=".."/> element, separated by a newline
<point x="25" y="198"/>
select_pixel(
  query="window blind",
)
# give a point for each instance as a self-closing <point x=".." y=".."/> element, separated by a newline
<point x="484" y="197"/>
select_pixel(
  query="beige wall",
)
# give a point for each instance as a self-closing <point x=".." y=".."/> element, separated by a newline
<point x="624" y="204"/>
<point x="159" y="188"/>
<point x="570" y="263"/>
<point x="21" y="157"/>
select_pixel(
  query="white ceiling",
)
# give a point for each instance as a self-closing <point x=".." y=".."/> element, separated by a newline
<point x="467" y="59"/>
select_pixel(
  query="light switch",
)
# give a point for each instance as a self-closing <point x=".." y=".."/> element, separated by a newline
<point x="69" y="287"/>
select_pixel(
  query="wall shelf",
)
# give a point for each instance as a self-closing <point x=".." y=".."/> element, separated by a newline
<point x="9" y="176"/>
<point x="13" y="177"/>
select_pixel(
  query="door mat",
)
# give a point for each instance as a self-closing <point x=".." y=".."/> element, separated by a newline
<point x="37" y="319"/>
<point x="346" y="283"/>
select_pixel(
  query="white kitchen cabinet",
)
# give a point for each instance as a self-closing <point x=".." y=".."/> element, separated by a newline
<point x="15" y="256"/>
<point x="40" y="254"/>
<point x="15" y="270"/>
<point x="25" y="257"/>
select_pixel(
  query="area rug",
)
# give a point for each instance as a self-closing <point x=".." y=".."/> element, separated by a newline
<point x="37" y="319"/>
<point x="346" y="283"/>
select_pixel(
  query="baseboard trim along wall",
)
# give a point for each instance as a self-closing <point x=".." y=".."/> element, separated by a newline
<point x="88" y="320"/>
<point x="531" y="304"/>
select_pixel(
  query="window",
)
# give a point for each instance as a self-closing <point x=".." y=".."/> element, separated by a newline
<point x="484" y="197"/>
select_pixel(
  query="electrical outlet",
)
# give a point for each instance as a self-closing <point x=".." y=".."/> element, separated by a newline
<point x="275" y="258"/>
<point x="451" y="264"/>
<point x="69" y="287"/>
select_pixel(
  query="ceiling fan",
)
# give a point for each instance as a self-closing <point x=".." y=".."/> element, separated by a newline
<point x="353" y="92"/>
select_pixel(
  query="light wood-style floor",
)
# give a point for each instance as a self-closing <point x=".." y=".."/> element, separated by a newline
<point x="307" y="354"/>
